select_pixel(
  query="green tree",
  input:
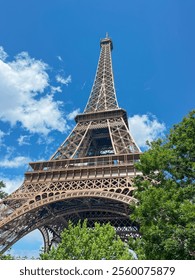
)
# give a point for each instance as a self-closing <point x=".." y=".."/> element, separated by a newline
<point x="2" y="193"/>
<point x="83" y="243"/>
<point x="6" y="257"/>
<point x="166" y="194"/>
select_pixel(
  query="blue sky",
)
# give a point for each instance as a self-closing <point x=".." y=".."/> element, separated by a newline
<point x="48" y="57"/>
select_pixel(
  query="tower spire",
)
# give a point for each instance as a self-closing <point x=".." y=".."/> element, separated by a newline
<point x="103" y="94"/>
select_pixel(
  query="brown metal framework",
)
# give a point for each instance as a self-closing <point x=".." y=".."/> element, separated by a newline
<point x="89" y="176"/>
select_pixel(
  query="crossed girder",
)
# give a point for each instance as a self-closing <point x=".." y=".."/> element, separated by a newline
<point x="103" y="95"/>
<point x="89" y="176"/>
<point x="51" y="206"/>
<point x="84" y="140"/>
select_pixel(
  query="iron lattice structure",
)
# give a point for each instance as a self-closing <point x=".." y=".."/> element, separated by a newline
<point x="89" y="176"/>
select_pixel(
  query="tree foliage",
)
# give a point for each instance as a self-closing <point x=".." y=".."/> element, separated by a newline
<point x="2" y="193"/>
<point x="166" y="194"/>
<point x="6" y="257"/>
<point x="83" y="243"/>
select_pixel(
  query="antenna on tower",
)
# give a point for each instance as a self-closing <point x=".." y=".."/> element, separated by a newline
<point x="106" y="34"/>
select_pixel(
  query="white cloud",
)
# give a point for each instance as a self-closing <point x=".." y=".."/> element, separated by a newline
<point x="64" y="81"/>
<point x="45" y="140"/>
<point x="145" y="128"/>
<point x="55" y="89"/>
<point x="29" y="246"/>
<point x="3" y="54"/>
<point x="73" y="114"/>
<point x="23" y="140"/>
<point x="59" y="58"/>
<point x="14" y="162"/>
<point x="12" y="183"/>
<point x="10" y="150"/>
<point x="22" y="85"/>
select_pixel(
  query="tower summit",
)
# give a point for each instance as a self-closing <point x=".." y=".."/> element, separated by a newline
<point x="88" y="177"/>
<point x="103" y="95"/>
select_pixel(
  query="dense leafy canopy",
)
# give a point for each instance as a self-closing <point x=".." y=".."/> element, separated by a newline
<point x="166" y="193"/>
<point x="83" y="243"/>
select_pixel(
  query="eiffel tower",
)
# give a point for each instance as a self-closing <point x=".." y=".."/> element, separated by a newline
<point x="89" y="176"/>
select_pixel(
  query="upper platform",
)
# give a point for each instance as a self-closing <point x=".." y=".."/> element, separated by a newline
<point x="106" y="41"/>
